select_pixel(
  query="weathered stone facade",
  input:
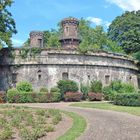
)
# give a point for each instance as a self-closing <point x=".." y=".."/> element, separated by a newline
<point x="51" y="65"/>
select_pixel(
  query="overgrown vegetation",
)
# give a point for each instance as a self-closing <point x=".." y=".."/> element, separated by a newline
<point x="27" y="123"/>
<point x="26" y="51"/>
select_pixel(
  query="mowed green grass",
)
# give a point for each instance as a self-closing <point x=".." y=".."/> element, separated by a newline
<point x="109" y="106"/>
<point x="78" y="127"/>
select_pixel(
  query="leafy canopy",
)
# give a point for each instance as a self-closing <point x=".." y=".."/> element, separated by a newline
<point x="7" y="23"/>
<point x="125" y="30"/>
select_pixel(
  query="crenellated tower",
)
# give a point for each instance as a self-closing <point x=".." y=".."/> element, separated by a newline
<point x="36" y="39"/>
<point x="70" y="37"/>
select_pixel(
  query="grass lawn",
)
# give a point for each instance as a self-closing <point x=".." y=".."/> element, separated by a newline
<point x="109" y="106"/>
<point x="26" y="123"/>
<point x="78" y="127"/>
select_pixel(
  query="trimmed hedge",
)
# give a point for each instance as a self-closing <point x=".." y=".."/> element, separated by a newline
<point x="127" y="99"/>
<point x="95" y="96"/>
<point x="13" y="96"/>
<point x="73" y="96"/>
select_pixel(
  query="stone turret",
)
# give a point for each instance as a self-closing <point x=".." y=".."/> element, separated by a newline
<point x="36" y="39"/>
<point x="70" y="37"/>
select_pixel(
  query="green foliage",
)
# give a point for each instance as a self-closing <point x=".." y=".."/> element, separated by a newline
<point x="85" y="90"/>
<point x="125" y="30"/>
<point x="29" y="123"/>
<point x="55" y="89"/>
<point x="7" y="23"/>
<point x="117" y="87"/>
<point x="127" y="99"/>
<point x="93" y="39"/>
<point x="121" y="87"/>
<point x="6" y="133"/>
<point x="109" y="94"/>
<point x="112" y="46"/>
<point x="51" y="38"/>
<point x="137" y="56"/>
<point x="25" y="51"/>
<point x="12" y="95"/>
<point x="56" y="96"/>
<point x="96" y="86"/>
<point x="67" y="86"/>
<point x="44" y="89"/>
<point x="24" y="86"/>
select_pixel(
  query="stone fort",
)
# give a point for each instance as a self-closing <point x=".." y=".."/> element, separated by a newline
<point x="51" y="64"/>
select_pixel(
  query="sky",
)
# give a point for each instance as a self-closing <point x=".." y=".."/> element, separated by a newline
<point x="41" y="15"/>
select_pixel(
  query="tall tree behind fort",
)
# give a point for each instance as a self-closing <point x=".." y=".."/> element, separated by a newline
<point x="7" y="23"/>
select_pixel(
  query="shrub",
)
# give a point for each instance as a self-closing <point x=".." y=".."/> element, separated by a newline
<point x="67" y="86"/>
<point x="108" y="93"/>
<point x="13" y="95"/>
<point x="96" y="86"/>
<point x="56" y="96"/>
<point x="127" y="99"/>
<point x="116" y="86"/>
<point x="24" y="86"/>
<point x="44" y="89"/>
<point x="127" y="88"/>
<point x="95" y="96"/>
<point x="85" y="90"/>
<point x="2" y="97"/>
<point x="73" y="96"/>
<point x="55" y="89"/>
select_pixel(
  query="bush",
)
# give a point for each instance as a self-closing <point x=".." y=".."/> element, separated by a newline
<point x="67" y="86"/>
<point x="108" y="93"/>
<point x="55" y="89"/>
<point x="24" y="86"/>
<point x="44" y="89"/>
<point x="117" y="87"/>
<point x="127" y="88"/>
<point x="85" y="90"/>
<point x="96" y="86"/>
<point x="13" y="95"/>
<point x="56" y="96"/>
<point x="95" y="96"/>
<point x="2" y="97"/>
<point x="127" y="99"/>
<point x="73" y="96"/>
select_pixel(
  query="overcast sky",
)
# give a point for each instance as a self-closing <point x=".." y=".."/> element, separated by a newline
<point x="45" y="14"/>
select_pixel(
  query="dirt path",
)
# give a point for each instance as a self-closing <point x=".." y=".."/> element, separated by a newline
<point x="102" y="124"/>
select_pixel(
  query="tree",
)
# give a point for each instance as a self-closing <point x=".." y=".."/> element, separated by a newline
<point x="92" y="38"/>
<point x="125" y="30"/>
<point x="7" y="23"/>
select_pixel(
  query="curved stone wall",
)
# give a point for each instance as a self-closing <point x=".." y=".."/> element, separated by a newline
<point x="50" y="66"/>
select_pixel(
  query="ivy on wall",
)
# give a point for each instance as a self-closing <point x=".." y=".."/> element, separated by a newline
<point x="25" y="52"/>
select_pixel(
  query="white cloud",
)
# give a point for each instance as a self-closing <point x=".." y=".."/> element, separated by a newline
<point x="126" y="5"/>
<point x="17" y="42"/>
<point x="98" y="21"/>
